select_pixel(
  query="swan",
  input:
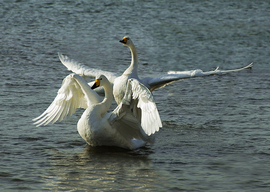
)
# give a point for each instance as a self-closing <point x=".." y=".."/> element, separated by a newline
<point x="97" y="126"/>
<point x="152" y="83"/>
<point x="120" y="81"/>
<point x="161" y="81"/>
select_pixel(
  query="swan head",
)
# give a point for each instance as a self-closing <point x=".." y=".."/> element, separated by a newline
<point x="100" y="81"/>
<point x="126" y="41"/>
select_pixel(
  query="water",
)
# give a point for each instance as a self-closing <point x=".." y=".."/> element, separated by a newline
<point x="215" y="134"/>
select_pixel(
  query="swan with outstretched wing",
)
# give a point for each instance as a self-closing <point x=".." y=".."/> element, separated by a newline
<point x="151" y="83"/>
<point x="120" y="82"/>
<point x="97" y="126"/>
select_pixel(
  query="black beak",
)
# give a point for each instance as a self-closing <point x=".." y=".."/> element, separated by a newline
<point x="122" y="41"/>
<point x="94" y="86"/>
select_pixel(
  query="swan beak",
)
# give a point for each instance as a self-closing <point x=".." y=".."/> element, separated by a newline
<point x="96" y="84"/>
<point x="124" y="40"/>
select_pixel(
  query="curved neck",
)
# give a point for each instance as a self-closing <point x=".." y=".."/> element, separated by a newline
<point x="107" y="101"/>
<point x="134" y="56"/>
<point x="134" y="60"/>
<point x="90" y="94"/>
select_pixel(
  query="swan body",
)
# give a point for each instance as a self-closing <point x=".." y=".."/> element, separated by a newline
<point x="97" y="126"/>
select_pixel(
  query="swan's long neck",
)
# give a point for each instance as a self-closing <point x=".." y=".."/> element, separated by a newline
<point x="132" y="69"/>
<point x="107" y="101"/>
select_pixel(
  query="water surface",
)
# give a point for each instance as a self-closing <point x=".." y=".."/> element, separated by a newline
<point x="215" y="134"/>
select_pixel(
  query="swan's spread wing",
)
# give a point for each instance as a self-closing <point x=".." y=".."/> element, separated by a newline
<point x="83" y="70"/>
<point x="215" y="72"/>
<point x="150" y="119"/>
<point x="141" y="102"/>
<point x="70" y="96"/>
<point x="172" y="76"/>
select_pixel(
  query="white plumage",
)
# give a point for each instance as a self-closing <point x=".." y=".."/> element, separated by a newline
<point x="97" y="126"/>
<point x="120" y="82"/>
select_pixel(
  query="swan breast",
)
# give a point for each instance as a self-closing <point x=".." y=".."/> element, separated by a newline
<point x="119" y="88"/>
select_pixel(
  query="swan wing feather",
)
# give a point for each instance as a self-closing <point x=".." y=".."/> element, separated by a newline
<point x="69" y="97"/>
<point x="172" y="76"/>
<point x="126" y="124"/>
<point x="140" y="96"/>
<point x="84" y="70"/>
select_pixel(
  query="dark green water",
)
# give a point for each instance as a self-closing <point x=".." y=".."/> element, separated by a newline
<point x="216" y="132"/>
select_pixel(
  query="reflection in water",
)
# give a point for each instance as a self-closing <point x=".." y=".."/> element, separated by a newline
<point x="102" y="168"/>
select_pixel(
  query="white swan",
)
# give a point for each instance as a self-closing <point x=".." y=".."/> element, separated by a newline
<point x="161" y="81"/>
<point x="120" y="82"/>
<point x="151" y="83"/>
<point x="96" y="126"/>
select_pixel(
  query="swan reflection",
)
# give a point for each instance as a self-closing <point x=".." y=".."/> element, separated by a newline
<point x="106" y="168"/>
